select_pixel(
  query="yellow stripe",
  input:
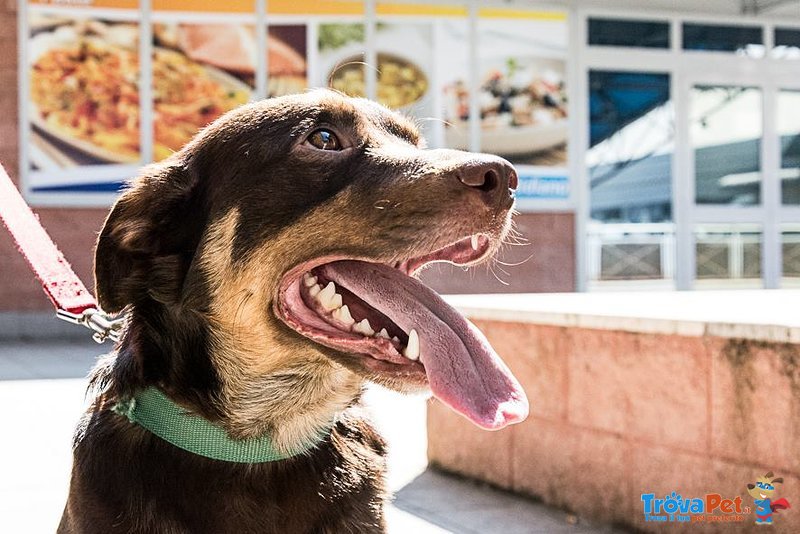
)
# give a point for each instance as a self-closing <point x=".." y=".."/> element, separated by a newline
<point x="205" y="6"/>
<point x="502" y="13"/>
<point x="114" y="4"/>
<point x="418" y="9"/>
<point x="307" y="7"/>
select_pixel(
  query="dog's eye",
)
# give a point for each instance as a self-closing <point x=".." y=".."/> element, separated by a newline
<point x="324" y="139"/>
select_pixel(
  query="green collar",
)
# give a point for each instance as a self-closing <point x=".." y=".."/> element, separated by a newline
<point x="154" y="411"/>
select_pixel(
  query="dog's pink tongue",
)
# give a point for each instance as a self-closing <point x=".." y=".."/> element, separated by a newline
<point x="463" y="370"/>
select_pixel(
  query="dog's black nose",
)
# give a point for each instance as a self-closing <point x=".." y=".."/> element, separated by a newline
<point x="495" y="179"/>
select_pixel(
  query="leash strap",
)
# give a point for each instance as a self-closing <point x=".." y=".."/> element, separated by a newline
<point x="72" y="300"/>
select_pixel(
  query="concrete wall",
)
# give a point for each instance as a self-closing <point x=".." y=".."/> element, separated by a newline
<point x="616" y="414"/>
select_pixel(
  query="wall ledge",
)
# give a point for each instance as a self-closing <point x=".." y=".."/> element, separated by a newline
<point x="758" y="315"/>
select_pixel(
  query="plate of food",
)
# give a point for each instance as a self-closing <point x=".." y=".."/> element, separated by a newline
<point x="523" y="110"/>
<point x="186" y="97"/>
<point x="84" y="94"/>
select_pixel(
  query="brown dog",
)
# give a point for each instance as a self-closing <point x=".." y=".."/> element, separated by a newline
<point x="267" y="271"/>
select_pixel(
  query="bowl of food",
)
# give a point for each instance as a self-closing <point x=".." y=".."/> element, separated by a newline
<point x="400" y="83"/>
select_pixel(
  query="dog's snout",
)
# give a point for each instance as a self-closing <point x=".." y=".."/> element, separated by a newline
<point x="495" y="179"/>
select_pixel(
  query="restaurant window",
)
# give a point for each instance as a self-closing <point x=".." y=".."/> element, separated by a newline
<point x="743" y="40"/>
<point x="628" y="33"/>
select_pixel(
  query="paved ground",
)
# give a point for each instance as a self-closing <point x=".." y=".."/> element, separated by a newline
<point x="41" y="396"/>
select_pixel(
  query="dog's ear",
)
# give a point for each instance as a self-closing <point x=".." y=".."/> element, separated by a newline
<point x="149" y="238"/>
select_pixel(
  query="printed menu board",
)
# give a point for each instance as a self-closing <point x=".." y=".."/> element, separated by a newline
<point x="88" y="127"/>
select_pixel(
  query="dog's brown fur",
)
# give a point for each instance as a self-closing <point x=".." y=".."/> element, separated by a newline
<point x="193" y="252"/>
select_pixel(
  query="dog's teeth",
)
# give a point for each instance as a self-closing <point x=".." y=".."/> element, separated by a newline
<point x="343" y="315"/>
<point x="396" y="339"/>
<point x="474" y="242"/>
<point x="383" y="333"/>
<point x="314" y="290"/>
<point x="309" y="281"/>
<point x="363" y="327"/>
<point x="412" y="348"/>
<point x="327" y="297"/>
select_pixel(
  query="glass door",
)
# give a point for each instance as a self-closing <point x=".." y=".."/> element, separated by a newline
<point x="726" y="130"/>
<point x="739" y="185"/>
<point x="788" y="132"/>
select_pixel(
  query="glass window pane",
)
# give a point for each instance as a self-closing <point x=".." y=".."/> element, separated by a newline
<point x="745" y="40"/>
<point x="631" y="235"/>
<point x="725" y="132"/>
<point x="727" y="256"/>
<point x="789" y="131"/>
<point x="632" y="33"/>
<point x="787" y="43"/>
<point x="790" y="245"/>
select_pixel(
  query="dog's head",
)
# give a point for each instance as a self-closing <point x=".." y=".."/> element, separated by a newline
<point x="283" y="242"/>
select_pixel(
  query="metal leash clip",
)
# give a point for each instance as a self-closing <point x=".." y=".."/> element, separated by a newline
<point x="103" y="326"/>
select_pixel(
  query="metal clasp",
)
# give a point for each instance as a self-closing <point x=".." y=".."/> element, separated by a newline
<point x="103" y="326"/>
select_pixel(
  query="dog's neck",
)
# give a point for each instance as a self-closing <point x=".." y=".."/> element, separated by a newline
<point x="296" y="405"/>
<point x="235" y="381"/>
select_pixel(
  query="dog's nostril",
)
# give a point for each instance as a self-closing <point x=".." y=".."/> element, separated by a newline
<point x="513" y="180"/>
<point x="490" y="180"/>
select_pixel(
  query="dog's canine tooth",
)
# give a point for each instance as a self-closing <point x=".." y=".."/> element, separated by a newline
<point x="363" y="327"/>
<point x="309" y="281"/>
<point x="343" y="315"/>
<point x="412" y="348"/>
<point x="314" y="290"/>
<point x="474" y="242"/>
<point x="327" y="297"/>
<point x="383" y="333"/>
<point x="396" y="339"/>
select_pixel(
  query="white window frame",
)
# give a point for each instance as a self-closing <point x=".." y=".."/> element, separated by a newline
<point x="687" y="68"/>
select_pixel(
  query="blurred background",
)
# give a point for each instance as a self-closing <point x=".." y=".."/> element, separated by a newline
<point x="650" y="315"/>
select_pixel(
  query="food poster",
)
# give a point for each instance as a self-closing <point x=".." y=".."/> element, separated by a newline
<point x="82" y="127"/>
<point x="405" y="69"/>
<point x="523" y="100"/>
<point x="200" y="71"/>
<point x="452" y="61"/>
<point x="83" y="93"/>
<point x="522" y="97"/>
<point x="287" y="59"/>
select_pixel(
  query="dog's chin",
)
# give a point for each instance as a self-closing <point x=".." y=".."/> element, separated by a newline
<point x="381" y="322"/>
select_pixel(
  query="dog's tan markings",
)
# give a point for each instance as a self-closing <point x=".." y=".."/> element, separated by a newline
<point x="270" y="383"/>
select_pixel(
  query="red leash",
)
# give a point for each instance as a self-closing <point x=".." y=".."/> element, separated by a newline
<point x="72" y="300"/>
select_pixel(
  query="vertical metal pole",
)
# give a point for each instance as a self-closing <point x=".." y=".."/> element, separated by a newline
<point x="577" y="81"/>
<point x="771" y="257"/>
<point x="22" y="97"/>
<point x="682" y="184"/>
<point x="146" y="115"/>
<point x="474" y="79"/>
<point x="262" y="59"/>
<point x="371" y="56"/>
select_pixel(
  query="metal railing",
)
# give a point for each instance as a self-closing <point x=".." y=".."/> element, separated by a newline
<point x="631" y="251"/>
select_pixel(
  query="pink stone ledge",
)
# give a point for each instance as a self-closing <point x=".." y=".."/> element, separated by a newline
<point x="758" y="315"/>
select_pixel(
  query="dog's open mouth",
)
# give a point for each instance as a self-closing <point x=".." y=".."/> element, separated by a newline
<point x="400" y="327"/>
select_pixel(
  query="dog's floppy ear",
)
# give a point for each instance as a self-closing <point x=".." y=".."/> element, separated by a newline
<point x="148" y="240"/>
